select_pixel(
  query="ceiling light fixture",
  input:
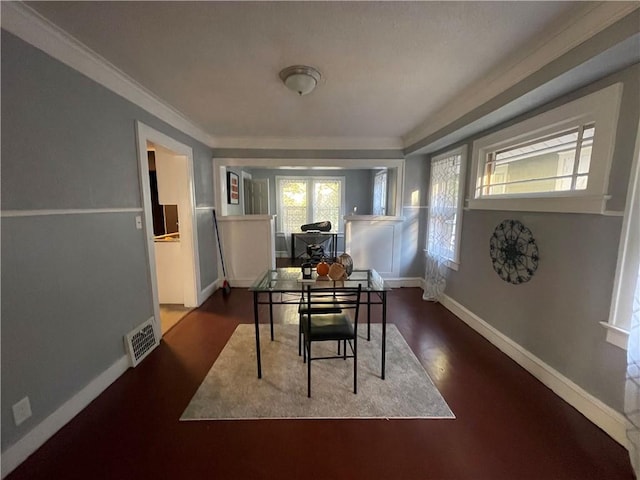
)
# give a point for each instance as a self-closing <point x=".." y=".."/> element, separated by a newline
<point x="300" y="78"/>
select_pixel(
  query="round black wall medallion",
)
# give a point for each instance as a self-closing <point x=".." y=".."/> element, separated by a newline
<point x="514" y="252"/>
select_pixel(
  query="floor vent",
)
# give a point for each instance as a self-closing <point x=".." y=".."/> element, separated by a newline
<point x="141" y="341"/>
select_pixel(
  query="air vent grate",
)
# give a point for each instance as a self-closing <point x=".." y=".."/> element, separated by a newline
<point x="141" y="341"/>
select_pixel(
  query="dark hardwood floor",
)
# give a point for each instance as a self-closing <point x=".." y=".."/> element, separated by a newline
<point x="507" y="426"/>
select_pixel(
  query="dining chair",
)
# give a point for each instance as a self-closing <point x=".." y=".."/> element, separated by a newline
<point x="340" y="326"/>
<point x="323" y="302"/>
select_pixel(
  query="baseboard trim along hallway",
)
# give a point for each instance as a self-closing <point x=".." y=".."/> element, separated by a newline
<point x="20" y="451"/>
<point x="605" y="417"/>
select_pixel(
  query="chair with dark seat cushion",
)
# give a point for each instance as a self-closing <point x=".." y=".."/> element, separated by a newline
<point x="340" y="326"/>
<point x="322" y="303"/>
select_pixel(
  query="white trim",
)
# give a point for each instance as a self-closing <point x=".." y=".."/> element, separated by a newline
<point x="605" y="417"/>
<point x="33" y="28"/>
<point x="73" y="211"/>
<point x="408" y="282"/>
<point x="613" y="213"/>
<point x="580" y="26"/>
<point x="573" y="204"/>
<point x="145" y="134"/>
<point x="616" y="336"/>
<point x="313" y="163"/>
<point x="311" y="143"/>
<point x="206" y="207"/>
<point x="207" y="291"/>
<point x="29" y="443"/>
<point x="600" y="108"/>
<point x="628" y="256"/>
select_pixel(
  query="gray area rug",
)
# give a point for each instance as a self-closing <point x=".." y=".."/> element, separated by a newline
<point x="232" y="390"/>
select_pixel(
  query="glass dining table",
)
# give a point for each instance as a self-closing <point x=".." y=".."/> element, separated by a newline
<point x="283" y="286"/>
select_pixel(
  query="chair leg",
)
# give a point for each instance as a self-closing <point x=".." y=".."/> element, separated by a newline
<point x="368" y="316"/>
<point x="355" y="365"/>
<point x="304" y="349"/>
<point x="299" y="335"/>
<point x="309" y="372"/>
<point x="344" y="348"/>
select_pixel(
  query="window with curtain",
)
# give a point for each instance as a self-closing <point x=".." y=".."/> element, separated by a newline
<point x="445" y="206"/>
<point x="304" y="200"/>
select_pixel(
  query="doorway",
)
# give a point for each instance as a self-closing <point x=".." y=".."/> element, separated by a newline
<point x="166" y="174"/>
<point x="255" y="195"/>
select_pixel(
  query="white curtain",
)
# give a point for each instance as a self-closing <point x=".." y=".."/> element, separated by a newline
<point x="444" y="202"/>
<point x="632" y="388"/>
<point x="435" y="277"/>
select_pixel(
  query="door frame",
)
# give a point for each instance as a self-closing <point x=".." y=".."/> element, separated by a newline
<point x="188" y="225"/>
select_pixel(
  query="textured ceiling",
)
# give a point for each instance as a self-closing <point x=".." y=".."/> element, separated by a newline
<point x="386" y="66"/>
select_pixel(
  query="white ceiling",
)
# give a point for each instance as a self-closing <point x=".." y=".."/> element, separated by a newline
<point x="388" y="68"/>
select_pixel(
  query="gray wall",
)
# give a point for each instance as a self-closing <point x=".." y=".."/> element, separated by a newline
<point x="556" y="314"/>
<point x="72" y="285"/>
<point x="414" y="211"/>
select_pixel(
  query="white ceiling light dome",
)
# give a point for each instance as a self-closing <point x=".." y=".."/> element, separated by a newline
<point x="300" y="78"/>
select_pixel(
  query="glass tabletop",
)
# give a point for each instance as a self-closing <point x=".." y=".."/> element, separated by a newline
<point x="289" y="279"/>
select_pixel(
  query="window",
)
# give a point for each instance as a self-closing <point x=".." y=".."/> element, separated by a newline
<point x="445" y="205"/>
<point x="304" y="200"/>
<point x="380" y="193"/>
<point x="558" y="161"/>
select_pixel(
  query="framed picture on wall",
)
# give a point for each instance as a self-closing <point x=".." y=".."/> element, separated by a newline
<point x="233" y="189"/>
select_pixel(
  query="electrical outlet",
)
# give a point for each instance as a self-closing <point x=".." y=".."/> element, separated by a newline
<point x="21" y="410"/>
<point x="139" y="222"/>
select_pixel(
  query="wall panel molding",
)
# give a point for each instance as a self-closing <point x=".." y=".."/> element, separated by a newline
<point x="71" y="211"/>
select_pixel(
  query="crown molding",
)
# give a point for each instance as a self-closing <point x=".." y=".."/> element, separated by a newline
<point x="310" y="143"/>
<point x="27" y="24"/>
<point x="557" y="41"/>
<point x="33" y="28"/>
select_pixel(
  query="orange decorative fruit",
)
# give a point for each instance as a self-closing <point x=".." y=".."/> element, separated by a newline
<point x="322" y="268"/>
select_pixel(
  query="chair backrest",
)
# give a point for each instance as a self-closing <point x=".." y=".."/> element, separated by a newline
<point x="348" y="298"/>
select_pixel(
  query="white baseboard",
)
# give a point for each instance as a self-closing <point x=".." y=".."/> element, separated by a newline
<point x="605" y="417"/>
<point x="242" y="282"/>
<point x="19" y="451"/>
<point x="404" y="282"/>
<point x="208" y="291"/>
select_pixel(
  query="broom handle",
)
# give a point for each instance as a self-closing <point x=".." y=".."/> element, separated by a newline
<point x="215" y="222"/>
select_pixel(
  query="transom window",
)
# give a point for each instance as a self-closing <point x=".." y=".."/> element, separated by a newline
<point x="303" y="200"/>
<point x="558" y="161"/>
